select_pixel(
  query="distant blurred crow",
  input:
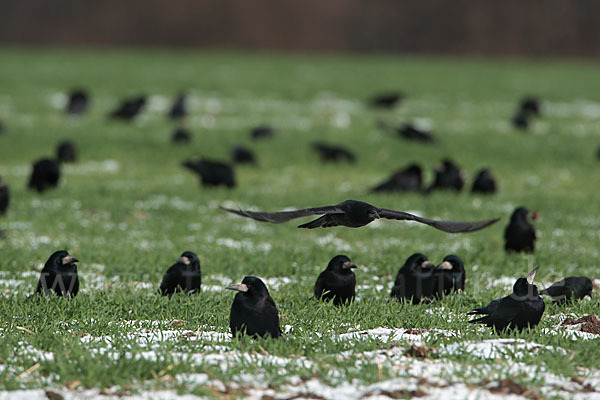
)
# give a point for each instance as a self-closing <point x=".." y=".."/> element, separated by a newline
<point x="484" y="182"/>
<point x="212" y="173"/>
<point x="519" y="235"/>
<point x="178" y="109"/>
<point x="129" y="108"/>
<point x="262" y="132"/>
<point x="410" y="132"/>
<point x="407" y="179"/>
<point x="4" y="197"/>
<point x="521" y="121"/>
<point x="78" y="102"/>
<point x="242" y="155"/>
<point x="530" y="105"/>
<point x="386" y="100"/>
<point x="447" y="176"/>
<point x="66" y="152"/>
<point x="45" y="175"/>
<point x="333" y="153"/>
<point x="181" y="135"/>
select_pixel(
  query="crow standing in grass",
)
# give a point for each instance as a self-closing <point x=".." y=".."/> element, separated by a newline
<point x="411" y="132"/>
<point x="4" y="197"/>
<point x="519" y="235"/>
<point x="484" y="182"/>
<point x="59" y="275"/>
<point x="528" y="107"/>
<point x="212" y="173"/>
<point x="253" y="311"/>
<point x="407" y="179"/>
<point x="337" y="282"/>
<point x="262" y="132"/>
<point x="449" y="276"/>
<point x="386" y="100"/>
<point x="178" y="110"/>
<point x="448" y="176"/>
<point x="78" y="102"/>
<point x="129" y="108"/>
<point x="333" y="153"/>
<point x="354" y="214"/>
<point x="570" y="289"/>
<point x="242" y="155"/>
<point x="66" y="152"/>
<point x="414" y="281"/>
<point x="522" y="309"/>
<point x="181" y="135"/>
<point x="44" y="175"/>
<point x="183" y="276"/>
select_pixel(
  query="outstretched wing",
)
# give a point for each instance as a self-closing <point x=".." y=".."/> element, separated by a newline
<point x="446" y="226"/>
<point x="284" y="216"/>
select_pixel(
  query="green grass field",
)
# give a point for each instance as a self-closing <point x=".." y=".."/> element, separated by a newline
<point x="127" y="210"/>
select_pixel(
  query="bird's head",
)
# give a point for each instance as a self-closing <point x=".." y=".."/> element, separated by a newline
<point x="419" y="262"/>
<point x="250" y="286"/>
<point x="61" y="259"/>
<point x="373" y="214"/>
<point x="524" y="287"/>
<point x="451" y="263"/>
<point x="189" y="258"/>
<point x="523" y="214"/>
<point x="589" y="287"/>
<point x="340" y="263"/>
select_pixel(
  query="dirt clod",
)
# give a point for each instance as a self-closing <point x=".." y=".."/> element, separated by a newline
<point x="508" y="386"/>
<point x="591" y="324"/>
<point x="51" y="395"/>
<point x="419" y="351"/>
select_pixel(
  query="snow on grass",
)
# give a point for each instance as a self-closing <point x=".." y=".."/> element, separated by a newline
<point x="497" y="348"/>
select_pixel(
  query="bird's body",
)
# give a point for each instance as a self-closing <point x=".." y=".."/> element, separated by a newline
<point x="519" y="235"/>
<point x="449" y="276"/>
<point x="183" y="276"/>
<point x="414" y="281"/>
<point x="212" y="173"/>
<point x="520" y="121"/>
<point x="333" y="153"/>
<point x="569" y="289"/>
<point x="129" y="108"/>
<point x="4" y="197"/>
<point x="337" y="282"/>
<point x="59" y="275"/>
<point x="44" y="175"/>
<point x="386" y="100"/>
<point x="178" y="110"/>
<point x="354" y="214"/>
<point x="448" y="176"/>
<point x="530" y="105"/>
<point x="66" y="152"/>
<point x="411" y="132"/>
<point x="262" y="132"/>
<point x="484" y="182"/>
<point x="253" y="311"/>
<point x="181" y="135"/>
<point x="407" y="179"/>
<point x="242" y="155"/>
<point x="521" y="309"/>
<point x="78" y="102"/>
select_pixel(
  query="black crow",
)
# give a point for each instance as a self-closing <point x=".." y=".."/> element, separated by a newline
<point x="447" y="176"/>
<point x="129" y="108"/>
<point x="484" y="182"/>
<point x="530" y="105"/>
<point x="212" y="173"/>
<point x="569" y="289"/>
<point x="4" y="197"/>
<point x="522" y="309"/>
<point x="354" y="214"/>
<point x="449" y="276"/>
<point x="59" y="275"/>
<point x="66" y="152"/>
<point x="253" y="311"/>
<point x="410" y="132"/>
<point x="178" y="110"/>
<point x="337" y="282"/>
<point x="242" y="155"/>
<point x="386" y="100"/>
<point x="520" y="120"/>
<point x="333" y="153"/>
<point x="44" y="175"/>
<point x="414" y="281"/>
<point x="78" y="102"/>
<point x="410" y="178"/>
<point x="183" y="276"/>
<point x="181" y="135"/>
<point x="262" y="132"/>
<point x="519" y="234"/>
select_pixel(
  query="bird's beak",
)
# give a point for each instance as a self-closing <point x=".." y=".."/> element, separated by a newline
<point x="240" y="287"/>
<point x="427" y="264"/>
<point x="68" y="260"/>
<point x="534" y="215"/>
<point x="445" y="265"/>
<point x="348" y="265"/>
<point x="531" y="275"/>
<point x="185" y="260"/>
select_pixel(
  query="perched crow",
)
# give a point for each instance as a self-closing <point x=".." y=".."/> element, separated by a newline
<point x="519" y="234"/>
<point x="386" y="100"/>
<point x="408" y="179"/>
<point x="253" y="311"/>
<point x="129" y="108"/>
<point x="45" y="175"/>
<point x="414" y="281"/>
<point x="212" y="173"/>
<point x="181" y="135"/>
<point x="333" y="153"/>
<point x="410" y="132"/>
<point x="242" y="155"/>
<point x="337" y="282"/>
<point x="78" y="102"/>
<point x="262" y="132"/>
<point x="354" y="214"/>
<point x="183" y="276"/>
<point x="530" y="105"/>
<point x="484" y="182"/>
<point x="4" y="197"/>
<point x="59" y="275"/>
<point x="569" y="289"/>
<point x="66" y="152"/>
<point x="178" y="109"/>
<point x="520" y="120"/>
<point x="449" y="276"/>
<point x="447" y="176"/>
<point x="522" y="309"/>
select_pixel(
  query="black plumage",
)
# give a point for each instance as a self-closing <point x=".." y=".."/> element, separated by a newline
<point x="212" y="173"/>
<point x="414" y="281"/>
<point x="59" y="275"/>
<point x="4" y="197"/>
<point x="242" y="155"/>
<point x="410" y="178"/>
<point x="337" y="282"/>
<point x="411" y="132"/>
<point x="519" y="235"/>
<point x="569" y="289"/>
<point x="66" y="152"/>
<point x="183" y="276"/>
<point x="354" y="214"/>
<point x="333" y="153"/>
<point x="178" y="109"/>
<point x="530" y="105"/>
<point x="253" y="311"/>
<point x="78" y="102"/>
<point x="517" y="311"/>
<point x="262" y="132"/>
<point x="181" y="135"/>
<point x="449" y="276"/>
<point x="386" y="100"/>
<point x="44" y="175"/>
<point x="520" y="120"/>
<point x="129" y="108"/>
<point x="448" y="176"/>
<point x="484" y="182"/>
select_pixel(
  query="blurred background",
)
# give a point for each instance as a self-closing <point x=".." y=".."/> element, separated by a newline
<point x="486" y="27"/>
